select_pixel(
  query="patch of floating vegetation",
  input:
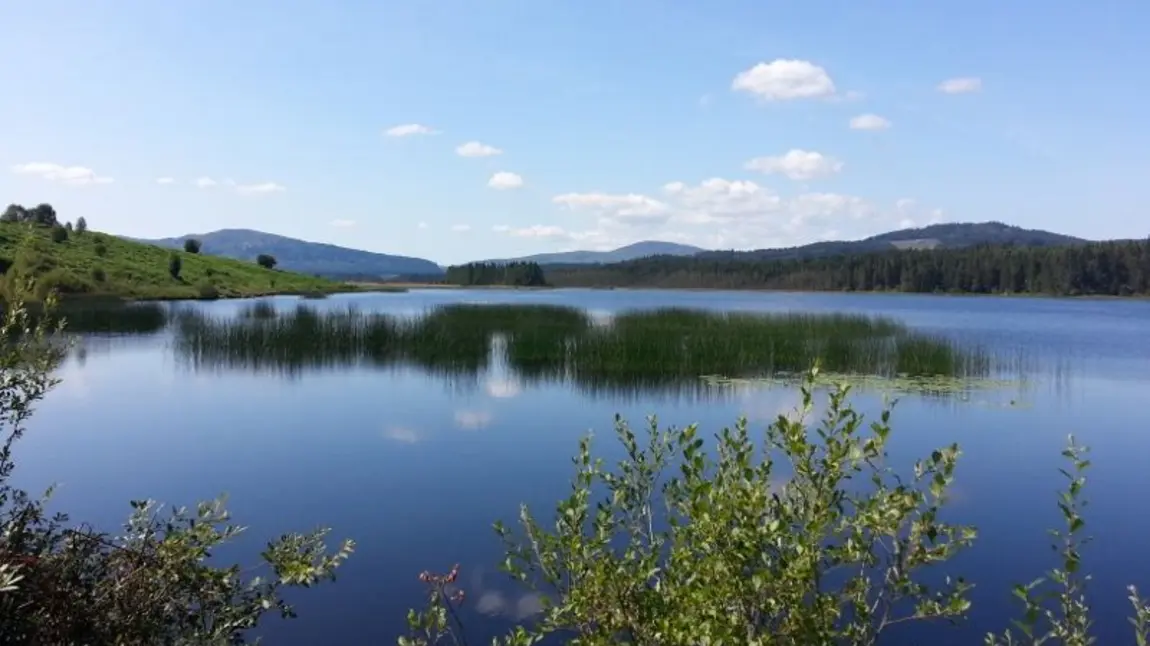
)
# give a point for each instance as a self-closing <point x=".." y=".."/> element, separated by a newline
<point x="635" y="352"/>
<point x="937" y="385"/>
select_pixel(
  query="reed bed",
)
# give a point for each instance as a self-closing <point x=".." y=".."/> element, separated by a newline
<point x="637" y="350"/>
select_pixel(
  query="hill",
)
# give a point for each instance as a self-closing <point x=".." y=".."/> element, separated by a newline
<point x="630" y="252"/>
<point x="98" y="264"/>
<point x="302" y="256"/>
<point x="935" y="236"/>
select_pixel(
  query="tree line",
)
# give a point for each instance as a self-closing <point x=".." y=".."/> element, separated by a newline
<point x="1113" y="268"/>
<point x="518" y="274"/>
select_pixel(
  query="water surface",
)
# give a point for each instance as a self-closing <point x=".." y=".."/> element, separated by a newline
<point x="416" y="463"/>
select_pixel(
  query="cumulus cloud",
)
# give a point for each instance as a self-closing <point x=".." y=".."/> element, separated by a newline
<point x="723" y="213"/>
<point x="476" y="149"/>
<point x="263" y="188"/>
<point x="534" y="231"/>
<point x="70" y="175"/>
<point x="409" y="129"/>
<point x="204" y="182"/>
<point x="961" y="85"/>
<point x="343" y="224"/>
<point x="869" y="122"/>
<point x="784" y="80"/>
<point x="165" y="180"/>
<point x="797" y="164"/>
<point x="504" y="180"/>
<point x="625" y="208"/>
<point x="460" y="228"/>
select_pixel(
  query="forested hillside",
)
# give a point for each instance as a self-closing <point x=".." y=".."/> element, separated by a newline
<point x="1118" y="268"/>
<point x="518" y="274"/>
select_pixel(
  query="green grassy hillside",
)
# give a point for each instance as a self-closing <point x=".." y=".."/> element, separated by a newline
<point x="97" y="264"/>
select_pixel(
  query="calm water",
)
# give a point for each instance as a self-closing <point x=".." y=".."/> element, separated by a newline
<point x="415" y="466"/>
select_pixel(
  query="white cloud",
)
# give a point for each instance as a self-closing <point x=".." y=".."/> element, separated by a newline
<point x="476" y="149"/>
<point x="797" y="164"/>
<point x="343" y="224"/>
<point x="422" y="225"/>
<point x="904" y="204"/>
<point x="963" y="85"/>
<point x="259" y="189"/>
<point x="718" y="200"/>
<point x="543" y="231"/>
<point x="869" y="122"/>
<point x="785" y="79"/>
<point x="204" y="182"/>
<point x="504" y="180"/>
<point x="906" y="223"/>
<point x="409" y="129"/>
<point x="460" y="228"/>
<point x="629" y="208"/>
<point x="71" y="175"/>
<point x="165" y="180"/>
<point x="470" y="420"/>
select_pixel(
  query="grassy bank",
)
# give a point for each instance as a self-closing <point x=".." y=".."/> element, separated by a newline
<point x="93" y="265"/>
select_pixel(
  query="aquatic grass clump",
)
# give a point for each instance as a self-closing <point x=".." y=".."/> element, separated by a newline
<point x="670" y="344"/>
<point x="634" y="352"/>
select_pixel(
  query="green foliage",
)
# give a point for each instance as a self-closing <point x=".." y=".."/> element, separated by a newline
<point x="207" y="291"/>
<point x="99" y="275"/>
<point x="656" y="350"/>
<point x="81" y="225"/>
<point x="59" y="234"/>
<point x="151" y="584"/>
<point x="140" y="271"/>
<point x="41" y="214"/>
<point x="806" y="538"/>
<point x="175" y="264"/>
<point x="191" y="245"/>
<point x="1117" y="268"/>
<point x="267" y="261"/>
<point x="518" y="274"/>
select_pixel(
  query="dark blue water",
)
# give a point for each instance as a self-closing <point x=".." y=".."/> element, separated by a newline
<point x="415" y="467"/>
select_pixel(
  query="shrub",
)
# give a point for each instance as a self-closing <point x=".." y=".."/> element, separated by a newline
<point x="266" y="261"/>
<point x="175" y="264"/>
<point x="98" y="274"/>
<point x="59" y="234"/>
<point x="150" y="584"/>
<point x="101" y="249"/>
<point x="191" y="245"/>
<point x="61" y="281"/>
<point x="690" y="547"/>
<point x="81" y="225"/>
<point x="207" y="291"/>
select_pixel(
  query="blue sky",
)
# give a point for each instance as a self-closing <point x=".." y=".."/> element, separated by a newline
<point x="723" y="123"/>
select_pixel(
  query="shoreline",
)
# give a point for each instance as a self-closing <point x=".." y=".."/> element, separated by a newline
<point x="752" y="290"/>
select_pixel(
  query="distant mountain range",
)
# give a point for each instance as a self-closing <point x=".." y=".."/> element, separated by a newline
<point x="303" y="256"/>
<point x="629" y="252"/>
<point x="341" y="262"/>
<point x="935" y="236"/>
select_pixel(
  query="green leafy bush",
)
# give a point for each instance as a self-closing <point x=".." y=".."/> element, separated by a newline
<point x="804" y="537"/>
<point x="152" y="584"/>
<point x="101" y="249"/>
<point x="59" y="234"/>
<point x="191" y="245"/>
<point x="175" y="265"/>
<point x="99" y="275"/>
<point x="207" y="291"/>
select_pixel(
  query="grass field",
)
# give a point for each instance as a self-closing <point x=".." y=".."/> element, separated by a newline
<point x="95" y="264"/>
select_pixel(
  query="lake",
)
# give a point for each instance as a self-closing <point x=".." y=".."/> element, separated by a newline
<point x="414" y="454"/>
